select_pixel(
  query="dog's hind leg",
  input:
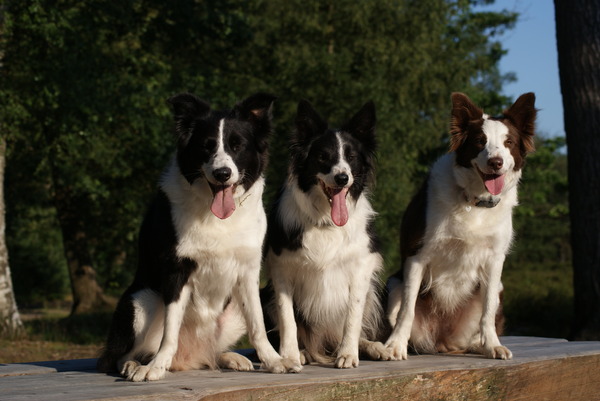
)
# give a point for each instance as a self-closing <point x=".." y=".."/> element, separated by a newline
<point x="157" y="367"/>
<point x="235" y="361"/>
<point x="121" y="336"/>
<point x="374" y="350"/>
<point x="146" y="326"/>
<point x="230" y="328"/>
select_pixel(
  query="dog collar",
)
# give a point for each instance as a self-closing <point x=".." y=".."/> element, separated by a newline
<point x="490" y="202"/>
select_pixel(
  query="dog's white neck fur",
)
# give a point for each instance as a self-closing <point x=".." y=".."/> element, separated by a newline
<point x="313" y="209"/>
<point x="198" y="229"/>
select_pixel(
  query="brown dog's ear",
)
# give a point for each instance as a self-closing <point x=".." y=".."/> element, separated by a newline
<point x="522" y="115"/>
<point x="463" y="113"/>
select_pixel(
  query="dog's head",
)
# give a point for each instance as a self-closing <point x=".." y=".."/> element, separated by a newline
<point x="333" y="166"/>
<point x="226" y="148"/>
<point x="492" y="148"/>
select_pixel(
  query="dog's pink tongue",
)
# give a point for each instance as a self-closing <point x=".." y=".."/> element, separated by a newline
<point x="223" y="205"/>
<point x="339" y="210"/>
<point x="494" y="183"/>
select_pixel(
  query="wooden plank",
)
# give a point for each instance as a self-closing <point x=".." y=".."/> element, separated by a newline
<point x="40" y="368"/>
<point x="542" y="369"/>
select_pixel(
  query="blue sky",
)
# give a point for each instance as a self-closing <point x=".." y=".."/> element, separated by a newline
<point x="532" y="56"/>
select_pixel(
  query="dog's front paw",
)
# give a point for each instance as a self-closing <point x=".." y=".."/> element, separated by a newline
<point x="497" y="352"/>
<point x="346" y="361"/>
<point x="141" y="373"/>
<point x="377" y="351"/>
<point x="129" y="367"/>
<point x="398" y="349"/>
<point x="293" y="355"/>
<point x="235" y="361"/>
<point x="283" y="365"/>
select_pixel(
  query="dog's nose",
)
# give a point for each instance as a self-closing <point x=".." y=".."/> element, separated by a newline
<point x="495" y="163"/>
<point x="222" y="174"/>
<point x="341" y="179"/>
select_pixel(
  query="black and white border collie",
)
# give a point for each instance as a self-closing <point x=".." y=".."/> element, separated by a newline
<point x="455" y="234"/>
<point x="321" y="252"/>
<point x="196" y="290"/>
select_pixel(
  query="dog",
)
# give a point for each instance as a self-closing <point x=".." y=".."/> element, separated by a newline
<point x="455" y="235"/>
<point x="196" y="289"/>
<point x="322" y="254"/>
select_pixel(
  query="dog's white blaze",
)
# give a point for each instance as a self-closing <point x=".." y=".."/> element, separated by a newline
<point x="342" y="167"/>
<point x="221" y="159"/>
<point x="497" y="134"/>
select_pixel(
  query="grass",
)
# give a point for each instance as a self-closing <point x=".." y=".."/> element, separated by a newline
<point x="50" y="334"/>
<point x="538" y="301"/>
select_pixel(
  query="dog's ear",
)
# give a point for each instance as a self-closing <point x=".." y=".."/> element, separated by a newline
<point x="187" y="108"/>
<point x="258" y="110"/>
<point x="362" y="126"/>
<point x="522" y="115"/>
<point x="464" y="112"/>
<point x="308" y="123"/>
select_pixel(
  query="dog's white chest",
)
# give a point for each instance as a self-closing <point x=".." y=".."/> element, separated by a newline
<point x="323" y="270"/>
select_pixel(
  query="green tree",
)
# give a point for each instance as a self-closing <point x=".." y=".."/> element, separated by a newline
<point x="542" y="218"/>
<point x="406" y="56"/>
<point x="84" y="86"/>
<point x="537" y="272"/>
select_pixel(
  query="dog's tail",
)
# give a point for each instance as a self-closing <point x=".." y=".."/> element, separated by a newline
<point x="120" y="337"/>
<point x="107" y="362"/>
<point x="318" y="348"/>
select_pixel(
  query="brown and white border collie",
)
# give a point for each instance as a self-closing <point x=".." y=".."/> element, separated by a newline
<point x="456" y="233"/>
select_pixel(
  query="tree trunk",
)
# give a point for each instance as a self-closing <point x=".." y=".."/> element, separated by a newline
<point x="87" y="294"/>
<point x="578" y="39"/>
<point x="10" y="321"/>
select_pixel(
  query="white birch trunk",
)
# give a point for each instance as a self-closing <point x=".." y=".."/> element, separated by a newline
<point x="10" y="321"/>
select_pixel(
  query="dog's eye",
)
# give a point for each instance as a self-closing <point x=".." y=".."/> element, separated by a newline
<point x="509" y="142"/>
<point x="350" y="157"/>
<point x="235" y="144"/>
<point x="481" y="140"/>
<point x="210" y="144"/>
<point x="323" y="156"/>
